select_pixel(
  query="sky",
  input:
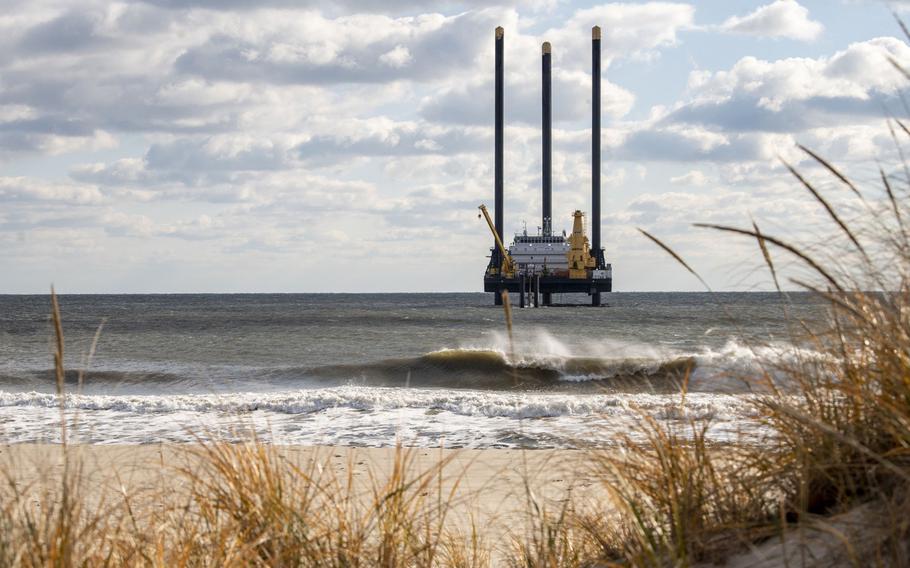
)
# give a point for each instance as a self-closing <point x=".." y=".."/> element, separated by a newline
<point x="344" y="146"/>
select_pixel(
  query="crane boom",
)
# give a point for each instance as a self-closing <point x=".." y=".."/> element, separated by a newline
<point x="508" y="265"/>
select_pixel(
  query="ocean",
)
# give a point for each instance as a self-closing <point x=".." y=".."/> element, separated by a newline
<point x="376" y="369"/>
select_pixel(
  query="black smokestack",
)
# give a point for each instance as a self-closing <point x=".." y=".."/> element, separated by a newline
<point x="497" y="161"/>
<point x="595" y="143"/>
<point x="595" y="154"/>
<point x="547" y="158"/>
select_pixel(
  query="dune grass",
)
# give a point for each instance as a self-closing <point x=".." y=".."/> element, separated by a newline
<point x="237" y="504"/>
<point x="838" y="422"/>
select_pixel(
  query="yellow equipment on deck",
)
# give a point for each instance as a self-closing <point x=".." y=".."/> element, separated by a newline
<point x="507" y="270"/>
<point x="579" y="255"/>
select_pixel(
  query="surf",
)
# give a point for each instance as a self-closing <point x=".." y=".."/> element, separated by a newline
<point x="489" y="369"/>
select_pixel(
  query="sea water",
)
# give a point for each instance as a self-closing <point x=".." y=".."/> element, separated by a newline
<point x="379" y="369"/>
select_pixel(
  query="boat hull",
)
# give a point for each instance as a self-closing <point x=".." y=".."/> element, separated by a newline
<point x="551" y="285"/>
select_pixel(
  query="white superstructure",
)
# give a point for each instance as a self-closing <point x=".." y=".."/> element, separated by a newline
<point x="537" y="253"/>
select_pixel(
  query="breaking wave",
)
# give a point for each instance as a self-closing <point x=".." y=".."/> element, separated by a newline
<point x="489" y="369"/>
<point x="541" y="366"/>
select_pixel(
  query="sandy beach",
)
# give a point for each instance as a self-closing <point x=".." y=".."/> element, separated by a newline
<point x="486" y="488"/>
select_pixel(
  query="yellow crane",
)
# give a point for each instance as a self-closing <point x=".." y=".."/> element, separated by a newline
<point x="579" y="255"/>
<point x="507" y="270"/>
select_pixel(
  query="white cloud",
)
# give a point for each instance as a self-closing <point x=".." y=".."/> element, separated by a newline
<point x="693" y="177"/>
<point x="857" y="71"/>
<point x="636" y="30"/>
<point x="304" y="47"/>
<point x="399" y="56"/>
<point x="852" y="86"/>
<point x="29" y="190"/>
<point x="781" y="18"/>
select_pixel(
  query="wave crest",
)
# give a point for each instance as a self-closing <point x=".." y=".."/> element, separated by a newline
<point x="490" y="369"/>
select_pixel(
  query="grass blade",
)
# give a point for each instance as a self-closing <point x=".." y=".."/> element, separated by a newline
<point x="675" y="256"/>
